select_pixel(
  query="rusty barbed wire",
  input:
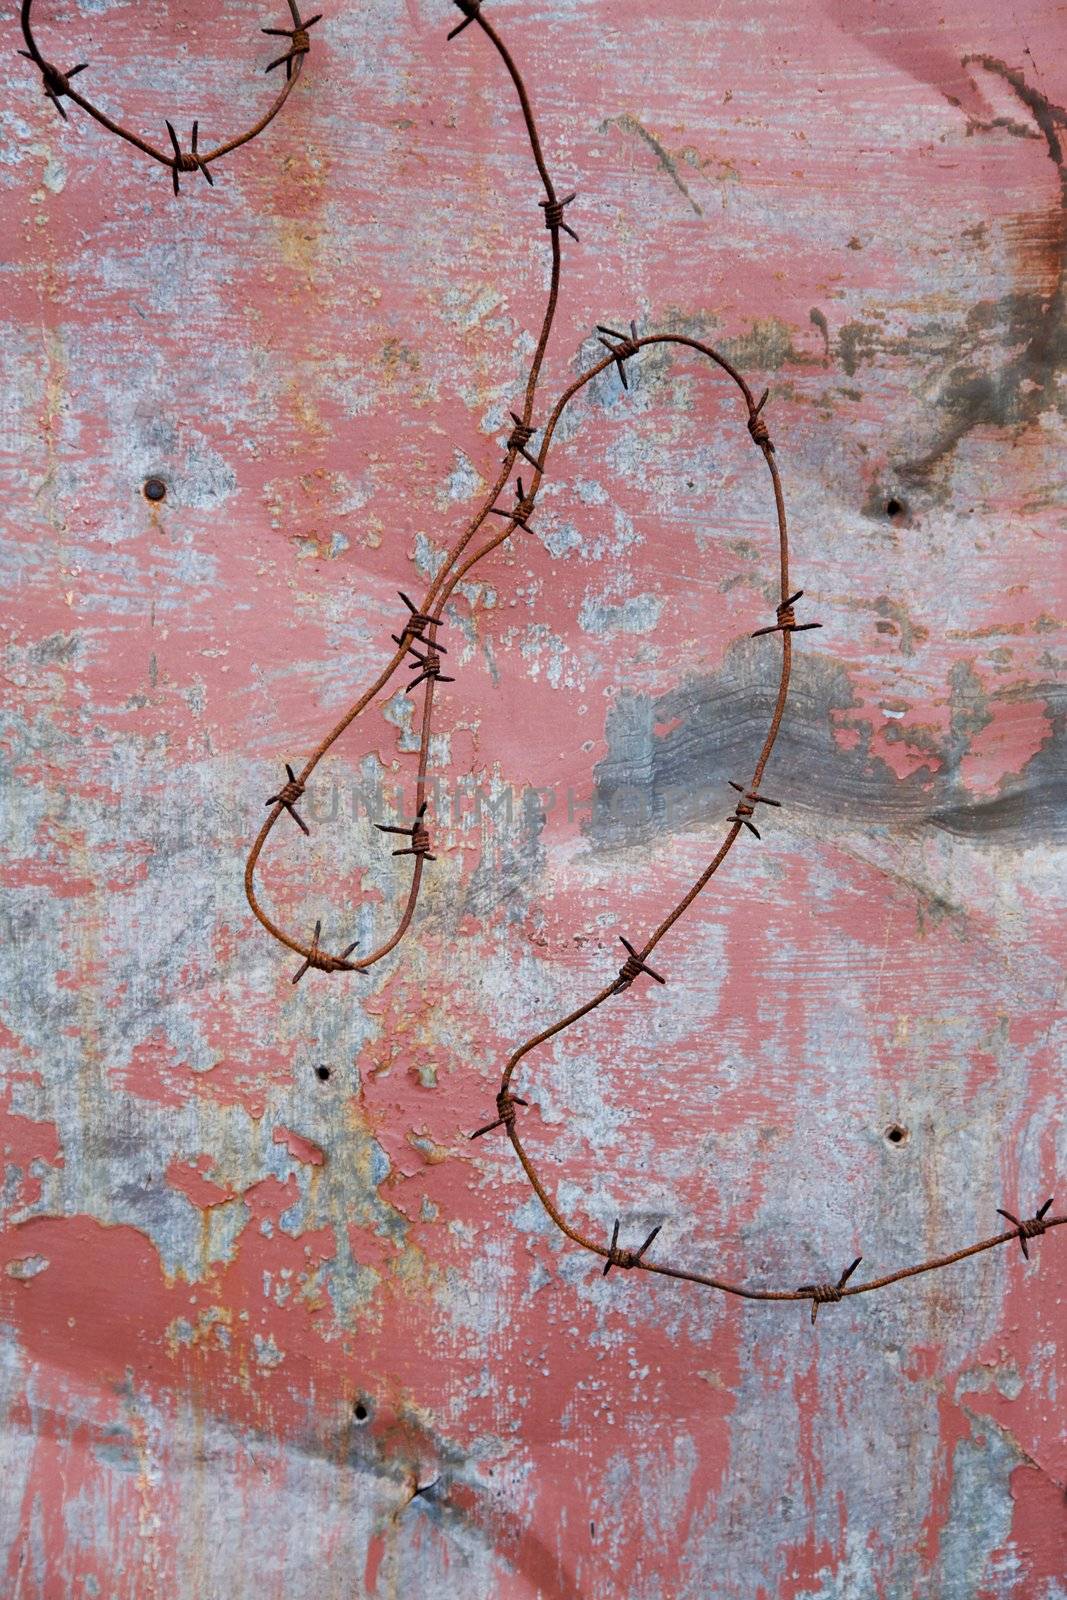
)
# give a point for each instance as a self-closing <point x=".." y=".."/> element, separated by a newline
<point x="57" y="87"/>
<point x="320" y="960"/>
<point x="637" y="962"/>
<point x="418" y="833"/>
<point x="745" y="809"/>
<point x="422" y="624"/>
<point x="288" y="795"/>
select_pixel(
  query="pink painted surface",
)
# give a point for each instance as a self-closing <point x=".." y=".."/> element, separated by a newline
<point x="247" y="1313"/>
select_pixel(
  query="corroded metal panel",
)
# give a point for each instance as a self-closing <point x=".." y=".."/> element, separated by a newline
<point x="274" y="1332"/>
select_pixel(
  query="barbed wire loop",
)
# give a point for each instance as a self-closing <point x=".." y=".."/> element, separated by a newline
<point x="57" y="85"/>
<point x="421" y="626"/>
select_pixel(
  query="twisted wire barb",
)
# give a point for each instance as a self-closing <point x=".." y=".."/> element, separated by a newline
<point x="57" y="86"/>
<point x="319" y="959"/>
<point x="422" y="624"/>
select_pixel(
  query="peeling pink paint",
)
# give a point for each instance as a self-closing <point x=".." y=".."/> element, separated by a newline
<point x="297" y="1336"/>
<point x="299" y="1148"/>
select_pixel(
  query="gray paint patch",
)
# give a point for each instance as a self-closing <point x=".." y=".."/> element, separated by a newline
<point x="715" y="723"/>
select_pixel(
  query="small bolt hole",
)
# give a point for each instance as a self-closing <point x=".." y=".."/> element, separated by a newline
<point x="896" y="1134"/>
<point x="360" y="1412"/>
<point x="154" y="489"/>
<point x="895" y="508"/>
<point x="323" y="1074"/>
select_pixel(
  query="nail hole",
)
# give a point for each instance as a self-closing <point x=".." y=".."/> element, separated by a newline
<point x="895" y="508"/>
<point x="323" y="1074"/>
<point x="896" y="1134"/>
<point x="360" y="1412"/>
<point x="154" y="489"/>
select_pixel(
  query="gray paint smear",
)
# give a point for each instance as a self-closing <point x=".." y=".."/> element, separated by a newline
<point x="715" y="723"/>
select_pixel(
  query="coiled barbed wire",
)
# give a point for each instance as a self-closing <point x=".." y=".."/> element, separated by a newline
<point x="57" y="86"/>
<point x="421" y="625"/>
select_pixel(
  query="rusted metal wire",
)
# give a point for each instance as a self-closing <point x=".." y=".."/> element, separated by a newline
<point x="632" y="968"/>
<point x="745" y="809"/>
<point x="57" y="86"/>
<point x="625" y="346"/>
<point x="424" y="621"/>
<point x="626" y="1258"/>
<point x="320" y="960"/>
<point x="422" y="625"/>
<point x="823" y="1294"/>
<point x="1030" y="1227"/>
<point x="287" y="797"/>
<point x="418" y="833"/>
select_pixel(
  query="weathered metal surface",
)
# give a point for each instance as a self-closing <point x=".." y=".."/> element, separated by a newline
<point x="277" y="1334"/>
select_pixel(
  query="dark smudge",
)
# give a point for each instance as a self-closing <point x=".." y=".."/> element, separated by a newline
<point x="652" y="782"/>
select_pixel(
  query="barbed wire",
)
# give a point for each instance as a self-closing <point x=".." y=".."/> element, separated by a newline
<point x="57" y="86"/>
<point x="421" y="624"/>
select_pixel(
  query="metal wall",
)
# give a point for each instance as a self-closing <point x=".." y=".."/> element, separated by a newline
<point x="272" y="1335"/>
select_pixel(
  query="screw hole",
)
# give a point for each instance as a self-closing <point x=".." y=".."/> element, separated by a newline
<point x="154" y="489"/>
<point x="895" y="508"/>
<point x="896" y="1134"/>
<point x="360" y="1412"/>
<point x="323" y="1074"/>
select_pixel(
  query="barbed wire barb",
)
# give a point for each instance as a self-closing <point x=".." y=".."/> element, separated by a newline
<point x="521" y="511"/>
<point x="53" y="82"/>
<point x="757" y="427"/>
<point x="287" y="797"/>
<point x="554" y="218"/>
<point x="745" y="808"/>
<point x="186" y="160"/>
<point x="827" y="1293"/>
<point x="786" y="621"/>
<point x="505" y="1118"/>
<point x="1030" y="1227"/>
<point x="632" y="968"/>
<point x="624" y="347"/>
<point x="317" y="958"/>
<point x="418" y="833"/>
<point x="299" y="43"/>
<point x="519" y="438"/>
<point x="627" y="1259"/>
<point x="470" y="10"/>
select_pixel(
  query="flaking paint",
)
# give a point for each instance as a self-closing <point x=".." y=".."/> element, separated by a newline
<point x="271" y="1335"/>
